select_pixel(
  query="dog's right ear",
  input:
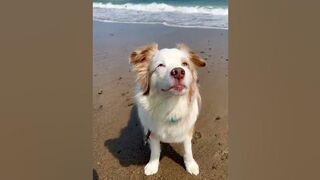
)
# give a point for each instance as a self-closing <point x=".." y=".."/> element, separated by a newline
<point x="143" y="54"/>
<point x="140" y="59"/>
<point x="196" y="59"/>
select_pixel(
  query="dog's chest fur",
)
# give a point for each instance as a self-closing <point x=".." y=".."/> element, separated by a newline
<point x="169" y="118"/>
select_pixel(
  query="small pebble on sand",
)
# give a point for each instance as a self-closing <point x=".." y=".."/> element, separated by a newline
<point x="100" y="91"/>
<point x="214" y="166"/>
<point x="193" y="141"/>
<point x="197" y="135"/>
<point x="224" y="156"/>
<point x="120" y="78"/>
<point x="218" y="118"/>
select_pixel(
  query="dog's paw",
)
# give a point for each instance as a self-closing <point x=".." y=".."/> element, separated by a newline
<point x="151" y="168"/>
<point x="192" y="167"/>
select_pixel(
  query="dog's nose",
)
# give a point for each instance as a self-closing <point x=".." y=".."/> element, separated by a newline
<point x="177" y="73"/>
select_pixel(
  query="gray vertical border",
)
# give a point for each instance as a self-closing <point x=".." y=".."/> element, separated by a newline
<point x="274" y="89"/>
<point x="45" y="99"/>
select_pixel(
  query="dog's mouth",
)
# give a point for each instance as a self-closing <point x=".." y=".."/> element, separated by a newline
<point x="177" y="88"/>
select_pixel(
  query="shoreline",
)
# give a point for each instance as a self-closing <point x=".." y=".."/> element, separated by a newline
<point x="163" y="24"/>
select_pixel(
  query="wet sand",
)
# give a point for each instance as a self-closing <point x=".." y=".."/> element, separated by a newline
<point x="118" y="148"/>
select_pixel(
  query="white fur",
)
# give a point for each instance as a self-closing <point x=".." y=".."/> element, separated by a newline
<point x="156" y="108"/>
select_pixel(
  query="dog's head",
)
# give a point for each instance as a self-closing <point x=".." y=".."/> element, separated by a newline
<point x="170" y="71"/>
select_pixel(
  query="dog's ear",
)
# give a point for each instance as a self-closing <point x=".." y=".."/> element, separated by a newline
<point x="143" y="54"/>
<point x="196" y="59"/>
<point x="140" y="59"/>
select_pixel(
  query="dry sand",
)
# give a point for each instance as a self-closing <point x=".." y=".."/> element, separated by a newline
<point x="118" y="148"/>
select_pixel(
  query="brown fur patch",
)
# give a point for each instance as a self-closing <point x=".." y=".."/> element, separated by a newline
<point x="194" y="85"/>
<point x="197" y="60"/>
<point x="190" y="132"/>
<point x="191" y="91"/>
<point x="140" y="59"/>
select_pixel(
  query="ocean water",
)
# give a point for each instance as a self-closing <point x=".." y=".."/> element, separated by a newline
<point x="187" y="13"/>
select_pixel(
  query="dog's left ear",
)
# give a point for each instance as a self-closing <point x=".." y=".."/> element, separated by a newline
<point x="143" y="54"/>
<point x="196" y="59"/>
<point x="140" y="59"/>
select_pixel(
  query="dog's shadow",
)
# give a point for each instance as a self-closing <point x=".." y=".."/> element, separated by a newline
<point x="129" y="148"/>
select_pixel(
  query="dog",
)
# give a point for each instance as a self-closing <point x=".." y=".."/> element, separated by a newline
<point x="167" y="99"/>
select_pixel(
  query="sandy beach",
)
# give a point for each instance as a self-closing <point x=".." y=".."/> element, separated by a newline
<point x="118" y="148"/>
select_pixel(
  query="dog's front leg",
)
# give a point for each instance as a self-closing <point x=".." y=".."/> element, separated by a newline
<point x="191" y="165"/>
<point x="153" y="164"/>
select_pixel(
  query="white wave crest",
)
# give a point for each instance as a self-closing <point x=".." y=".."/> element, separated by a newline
<point x="161" y="7"/>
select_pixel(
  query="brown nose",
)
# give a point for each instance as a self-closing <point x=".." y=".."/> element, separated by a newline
<point x="177" y="73"/>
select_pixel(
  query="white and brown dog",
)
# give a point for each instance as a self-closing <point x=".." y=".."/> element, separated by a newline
<point x="168" y="99"/>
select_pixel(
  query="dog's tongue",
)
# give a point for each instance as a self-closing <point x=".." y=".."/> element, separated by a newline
<point x="178" y="87"/>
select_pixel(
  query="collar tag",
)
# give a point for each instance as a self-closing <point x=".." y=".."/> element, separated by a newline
<point x="173" y="120"/>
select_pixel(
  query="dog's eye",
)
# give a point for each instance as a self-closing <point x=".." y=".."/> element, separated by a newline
<point x="185" y="64"/>
<point x="161" y="65"/>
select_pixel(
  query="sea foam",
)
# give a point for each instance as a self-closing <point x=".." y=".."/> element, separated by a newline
<point x="161" y="7"/>
<point x="182" y="16"/>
